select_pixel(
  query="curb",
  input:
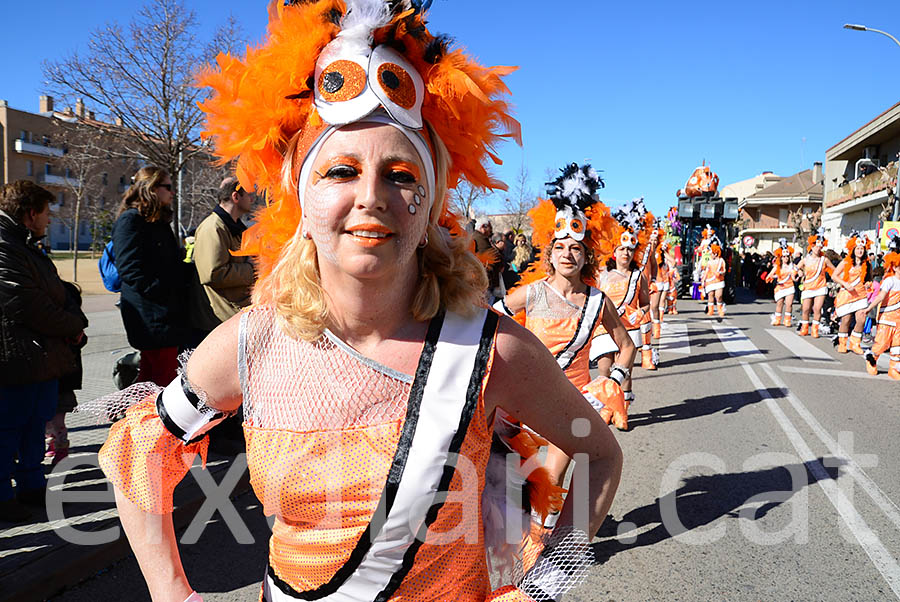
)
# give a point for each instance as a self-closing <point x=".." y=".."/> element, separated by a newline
<point x="70" y="564"/>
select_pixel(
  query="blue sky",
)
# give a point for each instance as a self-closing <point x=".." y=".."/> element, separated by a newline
<point x="644" y="90"/>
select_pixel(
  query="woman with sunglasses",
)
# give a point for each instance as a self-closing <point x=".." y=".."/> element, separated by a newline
<point x="150" y="265"/>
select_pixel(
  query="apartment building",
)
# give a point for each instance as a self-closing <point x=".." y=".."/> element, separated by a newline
<point x="32" y="148"/>
<point x="861" y="178"/>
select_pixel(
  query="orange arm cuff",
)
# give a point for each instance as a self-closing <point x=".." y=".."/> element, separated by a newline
<point x="144" y="460"/>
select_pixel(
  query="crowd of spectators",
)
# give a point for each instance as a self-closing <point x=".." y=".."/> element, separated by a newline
<point x="506" y="256"/>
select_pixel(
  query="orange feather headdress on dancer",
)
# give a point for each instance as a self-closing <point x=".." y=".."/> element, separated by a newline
<point x="574" y="210"/>
<point x="783" y="249"/>
<point x="856" y="239"/>
<point x="635" y="225"/>
<point x="892" y="259"/>
<point x="326" y="63"/>
<point x="818" y="237"/>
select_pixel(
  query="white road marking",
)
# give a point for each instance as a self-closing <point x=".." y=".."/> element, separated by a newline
<point x="828" y="372"/>
<point x="798" y="347"/>
<point x="887" y="505"/>
<point x="736" y="342"/>
<point x="881" y="558"/>
<point x="675" y="339"/>
<point x="874" y="549"/>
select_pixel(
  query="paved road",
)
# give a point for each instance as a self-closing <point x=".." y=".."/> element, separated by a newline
<point x="759" y="466"/>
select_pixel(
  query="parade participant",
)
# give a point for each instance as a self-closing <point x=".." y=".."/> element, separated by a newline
<point x="702" y="256"/>
<point x="887" y="335"/>
<point x="663" y="284"/>
<point x="852" y="274"/>
<point x="674" y="281"/>
<point x="368" y="372"/>
<point x="573" y="319"/>
<point x="624" y="283"/>
<point x="713" y="277"/>
<point x="784" y="274"/>
<point x="813" y="268"/>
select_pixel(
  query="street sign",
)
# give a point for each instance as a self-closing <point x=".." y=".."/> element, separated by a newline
<point x="749" y="241"/>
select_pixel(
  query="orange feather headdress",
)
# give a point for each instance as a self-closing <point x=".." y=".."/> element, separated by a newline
<point x="856" y="239"/>
<point x="818" y="237"/>
<point x="635" y="225"/>
<point x="572" y="210"/>
<point x="280" y="92"/>
<point x="783" y="249"/>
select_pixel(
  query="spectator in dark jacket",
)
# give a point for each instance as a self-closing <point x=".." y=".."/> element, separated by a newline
<point x="36" y="335"/>
<point x="153" y="275"/>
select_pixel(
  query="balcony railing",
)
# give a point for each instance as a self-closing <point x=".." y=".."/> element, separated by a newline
<point x="37" y="149"/>
<point x="52" y="180"/>
<point x="873" y="182"/>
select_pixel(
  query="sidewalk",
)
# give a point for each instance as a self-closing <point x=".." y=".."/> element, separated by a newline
<point x="37" y="559"/>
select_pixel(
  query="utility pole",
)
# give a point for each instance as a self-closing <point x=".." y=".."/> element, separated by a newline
<point x="896" y="213"/>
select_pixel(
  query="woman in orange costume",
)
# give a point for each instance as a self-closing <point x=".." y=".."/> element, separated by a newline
<point x="674" y="281"/>
<point x="852" y="274"/>
<point x="784" y="274"/>
<point x="713" y="278"/>
<point x="368" y="370"/>
<point x="625" y="285"/>
<point x="663" y="283"/>
<point x="887" y="336"/>
<point x="572" y="318"/>
<point x="813" y="269"/>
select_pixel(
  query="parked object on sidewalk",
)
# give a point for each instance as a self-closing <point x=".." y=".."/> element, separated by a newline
<point x="125" y="371"/>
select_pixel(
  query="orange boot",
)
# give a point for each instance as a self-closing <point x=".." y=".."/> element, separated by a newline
<point x="709" y="309"/>
<point x="815" y="330"/>
<point x="647" y="359"/>
<point x="787" y="320"/>
<point x="871" y="363"/>
<point x="721" y="310"/>
<point x="855" y="340"/>
<point x="804" y="328"/>
<point x="776" y="319"/>
<point x="657" y="329"/>
<point x="894" y="370"/>
<point x="842" y="343"/>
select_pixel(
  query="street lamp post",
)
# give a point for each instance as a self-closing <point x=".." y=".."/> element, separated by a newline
<point x="896" y="213"/>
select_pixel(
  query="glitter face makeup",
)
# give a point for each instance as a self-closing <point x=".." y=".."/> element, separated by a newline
<point x="357" y="201"/>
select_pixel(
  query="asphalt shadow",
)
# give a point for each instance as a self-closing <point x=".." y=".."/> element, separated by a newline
<point x="726" y="403"/>
<point x="703" y="499"/>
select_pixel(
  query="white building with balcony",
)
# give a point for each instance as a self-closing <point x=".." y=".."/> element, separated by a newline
<point x="860" y="177"/>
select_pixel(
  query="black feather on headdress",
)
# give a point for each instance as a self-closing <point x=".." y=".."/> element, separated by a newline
<point x="631" y="214"/>
<point x="576" y="188"/>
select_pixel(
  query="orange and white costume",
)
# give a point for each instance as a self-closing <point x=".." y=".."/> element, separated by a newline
<point x="887" y="335"/>
<point x="573" y="334"/>
<point x="713" y="277"/>
<point x="856" y="299"/>
<point x="328" y="433"/>
<point x="783" y="276"/>
<point x="342" y="450"/>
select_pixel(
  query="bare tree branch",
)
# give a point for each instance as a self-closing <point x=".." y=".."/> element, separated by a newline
<point x="520" y="201"/>
<point x="141" y="77"/>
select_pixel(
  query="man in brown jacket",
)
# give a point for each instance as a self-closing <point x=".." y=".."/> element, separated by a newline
<point x="226" y="279"/>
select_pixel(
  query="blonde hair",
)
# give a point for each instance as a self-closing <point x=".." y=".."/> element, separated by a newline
<point x="450" y="275"/>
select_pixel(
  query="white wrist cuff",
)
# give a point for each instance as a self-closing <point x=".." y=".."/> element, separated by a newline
<point x="184" y="413"/>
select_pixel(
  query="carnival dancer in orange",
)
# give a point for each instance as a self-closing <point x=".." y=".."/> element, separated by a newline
<point x="367" y="367"/>
<point x="634" y="217"/>
<point x="887" y="335"/>
<point x="713" y="277"/>
<point x="674" y="281"/>
<point x="663" y="284"/>
<point x="784" y="274"/>
<point x="624" y="283"/>
<point x="813" y="269"/>
<point x="852" y="274"/>
<point x="572" y="318"/>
